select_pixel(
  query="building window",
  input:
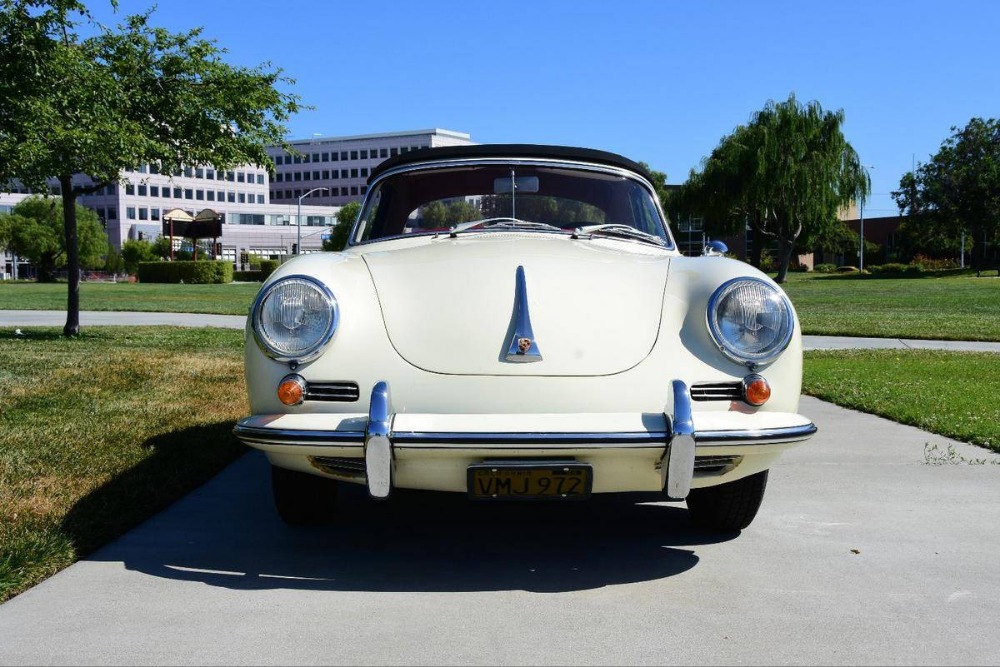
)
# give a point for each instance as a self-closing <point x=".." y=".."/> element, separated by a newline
<point x="364" y="172"/>
<point x="354" y="173"/>
<point x="278" y="160"/>
<point x="178" y="193"/>
<point x="154" y="214"/>
<point x="199" y="194"/>
<point x="326" y="157"/>
<point x="315" y="175"/>
<point x="231" y="197"/>
<point x="199" y="173"/>
<point x="364" y="189"/>
<point x="240" y="177"/>
<point x="315" y="157"/>
<point x="112" y="213"/>
<point x="354" y="190"/>
<point x="354" y="155"/>
<point x="111" y="189"/>
<point x="298" y="176"/>
<point x="343" y="155"/>
<point x="343" y="173"/>
<point x="333" y="157"/>
<point x="343" y="191"/>
<point x="210" y="174"/>
<point x="221" y="195"/>
<point x="288" y="194"/>
<point x="260" y="179"/>
<point x="297" y="159"/>
<point x="393" y="152"/>
<point x="154" y="169"/>
<point x="154" y="191"/>
<point x="143" y="213"/>
<point x="130" y="212"/>
<point x="230" y="176"/>
<point x="260" y="199"/>
<point x="404" y="149"/>
<point x="142" y="190"/>
<point x="305" y="176"/>
<point x="211" y="195"/>
<point x="188" y="193"/>
<point x="129" y="189"/>
<point x="364" y="155"/>
<point x="382" y="152"/>
<point x="305" y="158"/>
<point x="326" y="174"/>
<point x="243" y="198"/>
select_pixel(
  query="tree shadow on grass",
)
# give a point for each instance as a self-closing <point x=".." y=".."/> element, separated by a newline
<point x="180" y="462"/>
<point x="228" y="535"/>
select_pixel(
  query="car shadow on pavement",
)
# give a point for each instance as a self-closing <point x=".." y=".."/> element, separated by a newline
<point x="416" y="542"/>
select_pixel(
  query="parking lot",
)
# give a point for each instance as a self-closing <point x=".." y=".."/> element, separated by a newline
<point x="864" y="552"/>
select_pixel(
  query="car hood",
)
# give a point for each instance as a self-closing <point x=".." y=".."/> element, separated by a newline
<point x="449" y="304"/>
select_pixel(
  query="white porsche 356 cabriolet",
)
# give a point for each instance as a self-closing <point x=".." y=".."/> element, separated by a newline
<point x="515" y="322"/>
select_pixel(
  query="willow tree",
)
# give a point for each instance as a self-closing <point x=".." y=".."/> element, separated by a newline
<point x="787" y="172"/>
<point x="98" y="105"/>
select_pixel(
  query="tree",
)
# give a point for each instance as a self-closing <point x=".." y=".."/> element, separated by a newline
<point x="345" y="220"/>
<point x="135" y="251"/>
<point x="34" y="230"/>
<point x="957" y="191"/>
<point x="786" y="173"/>
<point x="119" y="99"/>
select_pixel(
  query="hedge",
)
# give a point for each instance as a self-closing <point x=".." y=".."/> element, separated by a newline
<point x="267" y="267"/>
<point x="248" y="276"/>
<point x="185" y="272"/>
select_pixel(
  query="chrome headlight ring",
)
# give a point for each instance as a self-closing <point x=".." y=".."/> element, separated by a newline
<point x="294" y="318"/>
<point x="750" y="320"/>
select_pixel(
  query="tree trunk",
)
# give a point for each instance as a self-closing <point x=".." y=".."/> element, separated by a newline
<point x="72" y="327"/>
<point x="785" y="249"/>
<point x="758" y="246"/>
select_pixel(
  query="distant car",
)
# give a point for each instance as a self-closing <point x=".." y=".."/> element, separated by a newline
<point x="515" y="322"/>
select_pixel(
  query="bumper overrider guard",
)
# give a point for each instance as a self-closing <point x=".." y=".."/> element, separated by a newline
<point x="676" y="465"/>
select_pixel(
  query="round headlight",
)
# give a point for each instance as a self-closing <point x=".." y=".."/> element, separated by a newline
<point x="294" y="318"/>
<point x="750" y="320"/>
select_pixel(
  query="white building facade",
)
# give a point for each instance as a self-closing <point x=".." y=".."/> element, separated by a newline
<point x="259" y="214"/>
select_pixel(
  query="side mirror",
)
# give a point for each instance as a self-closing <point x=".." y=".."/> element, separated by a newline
<point x="714" y="249"/>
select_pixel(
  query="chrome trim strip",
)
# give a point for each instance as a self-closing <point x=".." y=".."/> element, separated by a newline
<point x="523" y="348"/>
<point x="680" y="453"/>
<point x="766" y="436"/>
<point x="446" y="440"/>
<point x="278" y="436"/>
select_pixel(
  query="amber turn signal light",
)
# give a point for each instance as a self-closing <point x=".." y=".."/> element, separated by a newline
<point x="756" y="390"/>
<point x="291" y="390"/>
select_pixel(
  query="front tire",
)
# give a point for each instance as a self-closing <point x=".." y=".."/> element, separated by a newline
<point x="302" y="499"/>
<point x="727" y="507"/>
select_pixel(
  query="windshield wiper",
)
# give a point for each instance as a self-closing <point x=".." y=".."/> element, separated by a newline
<point x="501" y="223"/>
<point x="621" y="231"/>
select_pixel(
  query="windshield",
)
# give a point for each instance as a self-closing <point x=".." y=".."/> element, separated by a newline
<point x="556" y="199"/>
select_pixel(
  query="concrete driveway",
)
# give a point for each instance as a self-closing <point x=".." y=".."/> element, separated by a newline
<point x="863" y="553"/>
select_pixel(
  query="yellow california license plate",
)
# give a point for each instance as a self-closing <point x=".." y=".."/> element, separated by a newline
<point x="530" y="480"/>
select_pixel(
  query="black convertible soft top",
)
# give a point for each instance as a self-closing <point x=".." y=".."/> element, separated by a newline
<point x="512" y="151"/>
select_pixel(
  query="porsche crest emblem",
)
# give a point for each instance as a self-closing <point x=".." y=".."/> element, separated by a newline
<point x="523" y="345"/>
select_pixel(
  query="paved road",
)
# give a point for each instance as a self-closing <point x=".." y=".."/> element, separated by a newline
<point x="863" y="553"/>
<point x="51" y="318"/>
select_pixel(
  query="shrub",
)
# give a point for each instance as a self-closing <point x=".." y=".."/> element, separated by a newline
<point x="824" y="268"/>
<point x="847" y="269"/>
<point x="248" y="276"/>
<point x="930" y="264"/>
<point x="267" y="267"/>
<point x="187" y="272"/>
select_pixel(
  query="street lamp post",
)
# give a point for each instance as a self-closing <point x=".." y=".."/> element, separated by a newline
<point x="298" y="220"/>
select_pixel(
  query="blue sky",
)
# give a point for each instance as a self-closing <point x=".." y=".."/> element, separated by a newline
<point x="660" y="82"/>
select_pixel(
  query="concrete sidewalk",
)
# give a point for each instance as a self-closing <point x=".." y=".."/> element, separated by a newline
<point x="864" y="552"/>
<point x="52" y="318"/>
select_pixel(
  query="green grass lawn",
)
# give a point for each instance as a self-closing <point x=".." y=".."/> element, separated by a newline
<point x="100" y="432"/>
<point x="231" y="299"/>
<point x="948" y="308"/>
<point x="953" y="394"/>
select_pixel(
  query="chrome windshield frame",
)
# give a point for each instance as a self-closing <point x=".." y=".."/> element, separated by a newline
<point x="451" y="163"/>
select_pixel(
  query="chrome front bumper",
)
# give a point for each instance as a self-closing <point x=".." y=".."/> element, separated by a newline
<point x="375" y="438"/>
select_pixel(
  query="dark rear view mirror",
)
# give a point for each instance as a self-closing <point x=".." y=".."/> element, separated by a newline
<point x="504" y="184"/>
